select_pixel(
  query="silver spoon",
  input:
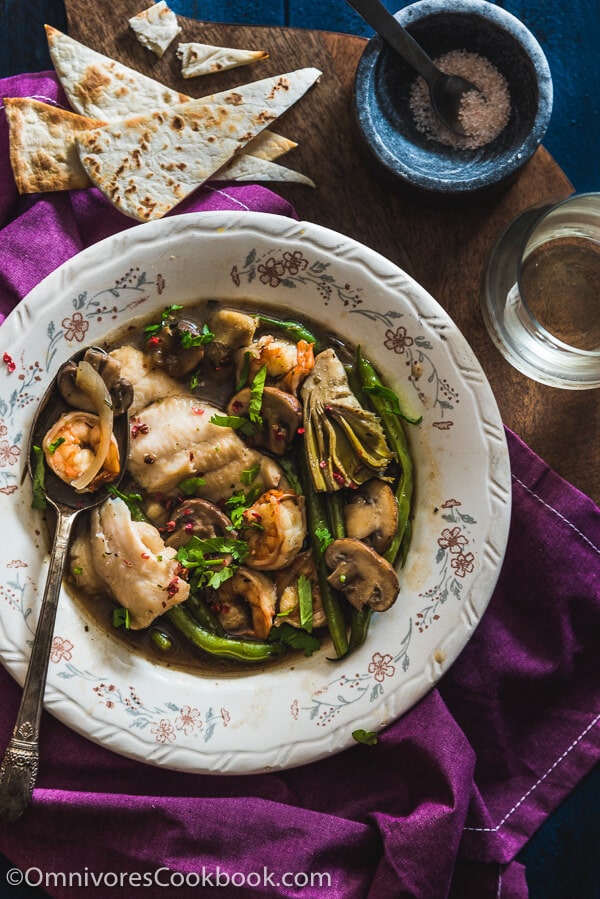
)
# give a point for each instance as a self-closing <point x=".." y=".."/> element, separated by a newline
<point x="18" y="770"/>
<point x="446" y="91"/>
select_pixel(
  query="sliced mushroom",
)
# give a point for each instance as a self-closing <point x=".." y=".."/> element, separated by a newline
<point x="121" y="390"/>
<point x="232" y="330"/>
<point x="177" y="347"/>
<point x="362" y="575"/>
<point x="281" y="414"/>
<point x="200" y="518"/>
<point x="371" y="514"/>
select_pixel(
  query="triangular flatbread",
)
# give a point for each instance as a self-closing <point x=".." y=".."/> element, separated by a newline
<point x="156" y="27"/>
<point x="101" y="87"/>
<point x="249" y="168"/>
<point x="147" y="164"/>
<point x="205" y="59"/>
<point x="269" y="145"/>
<point x="43" y="154"/>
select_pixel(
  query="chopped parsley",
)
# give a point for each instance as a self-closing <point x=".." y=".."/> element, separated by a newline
<point x="305" y="603"/>
<point x="239" y="502"/>
<point x="324" y="538"/>
<point x="52" y="447"/>
<point x="121" y="618"/>
<point x="133" y="501"/>
<point x="237" y="423"/>
<point x="245" y="372"/>
<point x="366" y="737"/>
<point x="212" y="560"/>
<point x="153" y="330"/>
<point x="295" y="637"/>
<point x="189" y="340"/>
<point x="190" y="486"/>
<point x="249" y="475"/>
<point x="290" y="473"/>
<point x="256" y="395"/>
<point x="250" y="425"/>
<point x="39" y="500"/>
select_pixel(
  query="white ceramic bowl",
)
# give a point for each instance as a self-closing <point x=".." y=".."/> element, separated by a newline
<point x="309" y="708"/>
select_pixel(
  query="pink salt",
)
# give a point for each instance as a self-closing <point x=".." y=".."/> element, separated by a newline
<point x="483" y="115"/>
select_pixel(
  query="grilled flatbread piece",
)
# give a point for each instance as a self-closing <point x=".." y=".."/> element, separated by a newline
<point x="147" y="164"/>
<point x="205" y="59"/>
<point x="101" y="87"/>
<point x="268" y="145"/>
<point x="43" y="154"/>
<point x="155" y="27"/>
<point x="249" y="168"/>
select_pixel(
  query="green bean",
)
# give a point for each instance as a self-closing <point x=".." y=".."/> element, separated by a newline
<point x="316" y="513"/>
<point x="293" y="329"/>
<point x="359" y="618"/>
<point x="161" y="640"/>
<point x="225" y="647"/>
<point x="200" y="610"/>
<point x="359" y="626"/>
<point x="396" y="435"/>
<point x="335" y="507"/>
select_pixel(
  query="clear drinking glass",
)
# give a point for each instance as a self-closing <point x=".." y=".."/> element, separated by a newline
<point x="541" y="292"/>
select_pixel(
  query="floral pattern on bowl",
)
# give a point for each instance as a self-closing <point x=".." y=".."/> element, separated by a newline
<point x="305" y="708"/>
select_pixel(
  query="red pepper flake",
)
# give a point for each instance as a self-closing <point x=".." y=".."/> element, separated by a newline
<point x="322" y="464"/>
<point x="339" y="478"/>
<point x="127" y="563"/>
<point x="170" y="526"/>
<point x="196" y="410"/>
<point x="138" y="427"/>
<point x="145" y="555"/>
<point x="154" y="341"/>
<point x="173" y="587"/>
<point x="300" y="431"/>
<point x="9" y="362"/>
<point x="189" y="526"/>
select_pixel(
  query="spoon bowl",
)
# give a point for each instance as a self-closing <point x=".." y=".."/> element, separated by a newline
<point x="18" y="770"/>
<point x="447" y="91"/>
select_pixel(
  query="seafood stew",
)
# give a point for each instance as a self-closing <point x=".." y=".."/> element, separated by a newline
<point x="266" y="506"/>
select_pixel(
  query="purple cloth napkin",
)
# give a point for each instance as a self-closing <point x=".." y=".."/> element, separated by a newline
<point x="450" y="793"/>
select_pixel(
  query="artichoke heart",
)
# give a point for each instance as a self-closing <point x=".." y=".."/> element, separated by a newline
<point x="345" y="443"/>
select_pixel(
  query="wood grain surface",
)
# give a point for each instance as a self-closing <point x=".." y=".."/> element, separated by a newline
<point x="444" y="249"/>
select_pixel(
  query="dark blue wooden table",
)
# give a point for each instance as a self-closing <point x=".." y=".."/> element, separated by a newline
<point x="562" y="860"/>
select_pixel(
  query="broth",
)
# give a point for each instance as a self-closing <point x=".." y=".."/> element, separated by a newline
<point x="216" y="390"/>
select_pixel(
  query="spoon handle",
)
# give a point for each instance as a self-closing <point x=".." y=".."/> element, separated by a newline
<point x="384" y="23"/>
<point x="19" y="767"/>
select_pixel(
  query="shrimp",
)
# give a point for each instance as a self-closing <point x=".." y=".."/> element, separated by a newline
<point x="71" y="446"/>
<point x="274" y="529"/>
<point x="258" y="591"/>
<point x="287" y="363"/>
